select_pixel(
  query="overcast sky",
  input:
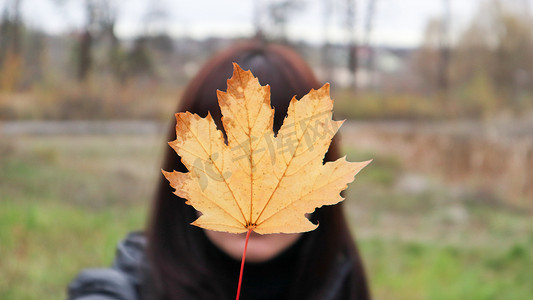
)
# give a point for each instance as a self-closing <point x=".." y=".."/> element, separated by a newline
<point x="397" y="22"/>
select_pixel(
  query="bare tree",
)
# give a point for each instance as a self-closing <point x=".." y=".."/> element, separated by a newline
<point x="350" y="25"/>
<point x="369" y="25"/>
<point x="273" y="17"/>
<point x="280" y="13"/>
<point x="327" y="63"/>
<point x="100" y="22"/>
<point x="10" y="39"/>
<point x="433" y="57"/>
<point x="258" y="18"/>
<point x="115" y="56"/>
<point x="427" y="58"/>
<point x="155" y="19"/>
<point x="444" y="51"/>
<point x="84" y="54"/>
<point x="10" y="45"/>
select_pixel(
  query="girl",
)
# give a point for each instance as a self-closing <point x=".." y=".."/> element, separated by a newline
<point x="174" y="260"/>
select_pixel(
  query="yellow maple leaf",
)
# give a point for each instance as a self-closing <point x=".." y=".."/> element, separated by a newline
<point x="257" y="180"/>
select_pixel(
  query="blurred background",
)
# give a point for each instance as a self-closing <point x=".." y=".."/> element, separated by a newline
<point x="439" y="93"/>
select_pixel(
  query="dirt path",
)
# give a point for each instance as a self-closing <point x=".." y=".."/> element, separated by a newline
<point x="80" y="127"/>
<point x="497" y="158"/>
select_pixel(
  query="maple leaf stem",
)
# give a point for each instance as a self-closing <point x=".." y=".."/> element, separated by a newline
<point x="242" y="262"/>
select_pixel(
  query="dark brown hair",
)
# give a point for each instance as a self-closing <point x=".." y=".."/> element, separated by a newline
<point x="178" y="251"/>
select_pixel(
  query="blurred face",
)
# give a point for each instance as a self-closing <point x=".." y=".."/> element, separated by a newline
<point x="260" y="247"/>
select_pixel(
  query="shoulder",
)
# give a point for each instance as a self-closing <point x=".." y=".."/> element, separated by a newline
<point x="130" y="257"/>
<point x="339" y="280"/>
<point x="121" y="280"/>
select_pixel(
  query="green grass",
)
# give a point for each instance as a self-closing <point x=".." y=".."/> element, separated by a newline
<point x="65" y="202"/>
<point x="422" y="270"/>
<point x="43" y="246"/>
<point x="434" y="243"/>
